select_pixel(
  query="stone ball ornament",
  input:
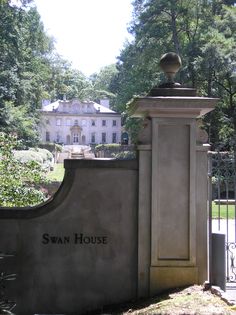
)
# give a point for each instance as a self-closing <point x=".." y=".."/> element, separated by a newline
<point x="170" y="64"/>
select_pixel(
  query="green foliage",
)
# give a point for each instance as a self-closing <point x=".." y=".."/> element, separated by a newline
<point x="204" y="34"/>
<point x="25" y="156"/>
<point x="63" y="80"/>
<point x="103" y="79"/>
<point x="108" y="146"/>
<point x="46" y="156"/>
<point x="31" y="70"/>
<point x="20" y="181"/>
<point x="57" y="174"/>
<point x="42" y="156"/>
<point x="20" y="121"/>
<point x="23" y="69"/>
<point x="117" y="151"/>
<point x="133" y="126"/>
<point x="223" y="211"/>
<point x="44" y="153"/>
<point x="102" y="84"/>
<point x="51" y="147"/>
<point x="124" y="155"/>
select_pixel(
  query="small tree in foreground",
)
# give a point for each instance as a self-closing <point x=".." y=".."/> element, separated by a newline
<point x="20" y="182"/>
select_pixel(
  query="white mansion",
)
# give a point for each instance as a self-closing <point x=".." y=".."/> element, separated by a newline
<point x="76" y="122"/>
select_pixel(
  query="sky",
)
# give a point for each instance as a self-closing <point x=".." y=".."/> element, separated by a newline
<point x="89" y="33"/>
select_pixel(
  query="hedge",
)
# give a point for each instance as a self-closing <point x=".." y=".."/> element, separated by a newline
<point x="41" y="156"/>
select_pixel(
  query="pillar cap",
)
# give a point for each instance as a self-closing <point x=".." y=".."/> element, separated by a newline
<point x="172" y="106"/>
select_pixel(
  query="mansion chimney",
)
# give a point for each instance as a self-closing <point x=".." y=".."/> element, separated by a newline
<point x="105" y="103"/>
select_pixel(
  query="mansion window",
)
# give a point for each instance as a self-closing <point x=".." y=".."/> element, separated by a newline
<point x="58" y="122"/>
<point x="48" y="122"/>
<point x="47" y="136"/>
<point x="93" y="122"/>
<point x="93" y="139"/>
<point x="84" y="123"/>
<point x="104" y="137"/>
<point x="104" y="123"/>
<point x="75" y="137"/>
<point x="57" y="137"/>
<point x="76" y="122"/>
<point x="114" y="123"/>
<point x="114" y="137"/>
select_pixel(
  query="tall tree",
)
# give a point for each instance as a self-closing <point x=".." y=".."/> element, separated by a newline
<point x="64" y="81"/>
<point x="23" y="64"/>
<point x="216" y="70"/>
<point x="102" y="84"/>
<point x="196" y="30"/>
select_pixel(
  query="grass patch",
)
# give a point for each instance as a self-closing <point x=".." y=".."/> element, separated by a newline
<point x="57" y="174"/>
<point x="223" y="211"/>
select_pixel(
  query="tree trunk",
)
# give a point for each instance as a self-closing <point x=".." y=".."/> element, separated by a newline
<point x="174" y="29"/>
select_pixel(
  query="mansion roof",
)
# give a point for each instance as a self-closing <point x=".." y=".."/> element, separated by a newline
<point x="77" y="107"/>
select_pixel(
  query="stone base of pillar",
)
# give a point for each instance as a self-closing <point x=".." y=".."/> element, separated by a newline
<point x="166" y="278"/>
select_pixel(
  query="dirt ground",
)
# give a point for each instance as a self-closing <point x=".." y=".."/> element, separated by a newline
<point x="190" y="301"/>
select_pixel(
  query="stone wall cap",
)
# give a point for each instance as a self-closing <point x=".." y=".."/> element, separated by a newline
<point x="173" y="97"/>
<point x="204" y="147"/>
<point x="172" y="106"/>
<point x="101" y="163"/>
<point x="144" y="147"/>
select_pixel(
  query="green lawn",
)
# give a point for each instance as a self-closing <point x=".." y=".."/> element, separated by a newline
<point x="57" y="174"/>
<point x="223" y="211"/>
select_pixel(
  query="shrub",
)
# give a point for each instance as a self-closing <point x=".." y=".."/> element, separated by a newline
<point x="20" y="181"/>
<point x="25" y="156"/>
<point x="41" y="156"/>
<point x="46" y="155"/>
<point x="109" y="146"/>
<point x="125" y="155"/>
<point x="52" y="147"/>
<point x="121" y="152"/>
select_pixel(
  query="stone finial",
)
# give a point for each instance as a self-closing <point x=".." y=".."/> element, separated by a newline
<point x="170" y="64"/>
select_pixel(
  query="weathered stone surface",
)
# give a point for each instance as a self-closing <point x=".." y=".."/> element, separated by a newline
<point x="177" y="203"/>
<point x="165" y="278"/>
<point x="79" y="253"/>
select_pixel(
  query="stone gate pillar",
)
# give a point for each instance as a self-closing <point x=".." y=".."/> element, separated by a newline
<point x="172" y="207"/>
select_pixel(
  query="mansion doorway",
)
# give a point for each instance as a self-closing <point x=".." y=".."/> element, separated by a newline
<point x="75" y="136"/>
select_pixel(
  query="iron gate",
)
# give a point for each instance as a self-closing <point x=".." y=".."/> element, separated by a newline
<point x="222" y="208"/>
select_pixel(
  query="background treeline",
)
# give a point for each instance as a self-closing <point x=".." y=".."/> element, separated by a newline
<point x="31" y="70"/>
<point x="203" y="32"/>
